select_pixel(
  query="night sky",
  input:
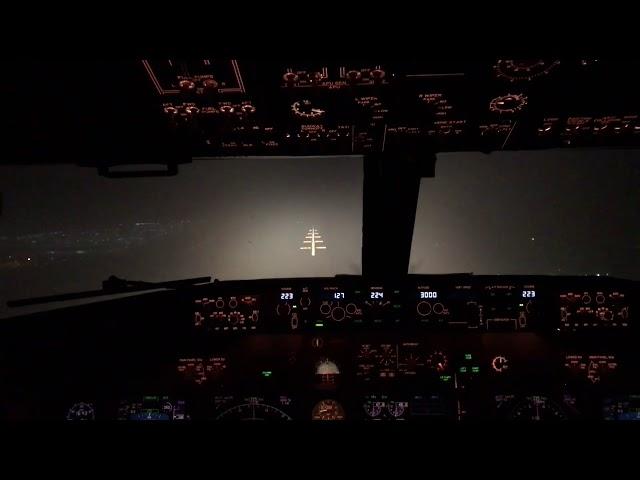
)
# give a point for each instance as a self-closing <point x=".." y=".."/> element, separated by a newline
<point x="229" y="218"/>
<point x="558" y="212"/>
<point x="548" y="212"/>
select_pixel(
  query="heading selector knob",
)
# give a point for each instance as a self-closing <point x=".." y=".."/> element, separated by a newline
<point x="338" y="314"/>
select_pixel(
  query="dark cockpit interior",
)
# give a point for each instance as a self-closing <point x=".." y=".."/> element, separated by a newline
<point x="225" y="239"/>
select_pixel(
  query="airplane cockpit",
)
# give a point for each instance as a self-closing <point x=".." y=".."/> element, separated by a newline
<point x="225" y="239"/>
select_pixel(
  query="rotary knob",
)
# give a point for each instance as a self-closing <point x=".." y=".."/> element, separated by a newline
<point x="187" y="86"/>
<point x="424" y="309"/>
<point x="510" y="103"/>
<point x="499" y="364"/>
<point x="529" y="307"/>
<point x="283" y="309"/>
<point x="305" y="301"/>
<point x="338" y="314"/>
<point x="210" y="85"/>
<point x="438" y="361"/>
<point x="378" y="75"/>
<point x="290" y="78"/>
<point x="354" y="76"/>
<point x="305" y="109"/>
<point x="248" y="108"/>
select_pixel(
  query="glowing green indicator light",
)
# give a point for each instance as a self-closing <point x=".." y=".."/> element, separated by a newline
<point x="475" y="369"/>
<point x="467" y="356"/>
<point x="266" y="373"/>
<point x="319" y="324"/>
<point x="445" y="378"/>
<point x="463" y="369"/>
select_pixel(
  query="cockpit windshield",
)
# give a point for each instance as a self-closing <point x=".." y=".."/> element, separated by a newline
<point x="556" y="212"/>
<point x="233" y="218"/>
<point x="552" y="212"/>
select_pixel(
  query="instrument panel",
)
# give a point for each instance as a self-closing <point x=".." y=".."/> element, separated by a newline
<point x="230" y="107"/>
<point x="181" y="108"/>
<point x="446" y="303"/>
<point x="594" y="309"/>
<point x="441" y="348"/>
